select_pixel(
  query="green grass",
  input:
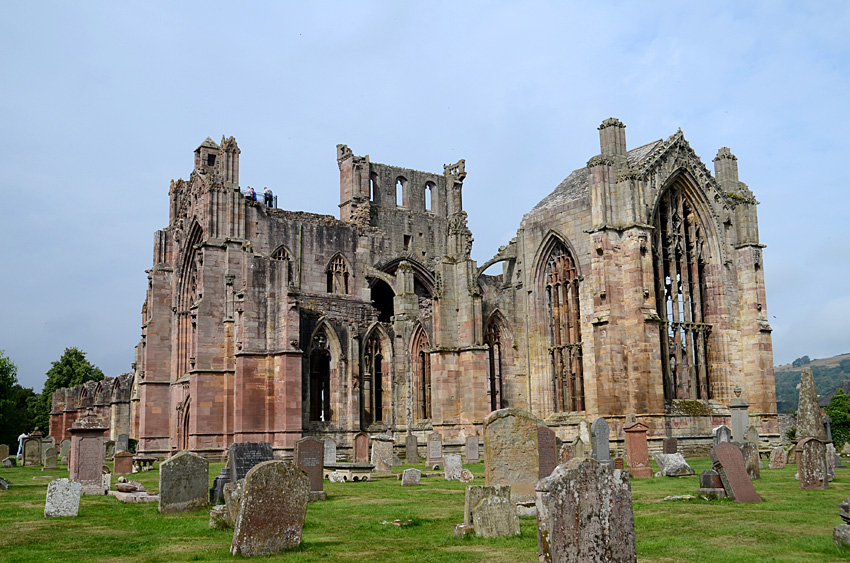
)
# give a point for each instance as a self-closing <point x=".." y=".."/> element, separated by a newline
<point x="790" y="525"/>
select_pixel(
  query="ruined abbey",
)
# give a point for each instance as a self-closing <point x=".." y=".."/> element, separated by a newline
<point x="634" y="287"/>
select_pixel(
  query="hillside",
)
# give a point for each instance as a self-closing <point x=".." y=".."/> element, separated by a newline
<point x="829" y="373"/>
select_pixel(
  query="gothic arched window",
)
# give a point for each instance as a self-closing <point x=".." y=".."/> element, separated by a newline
<point x="493" y="340"/>
<point x="373" y="380"/>
<point x="338" y="276"/>
<point x="680" y="292"/>
<point x="320" y="379"/>
<point x="561" y="286"/>
<point x="421" y="375"/>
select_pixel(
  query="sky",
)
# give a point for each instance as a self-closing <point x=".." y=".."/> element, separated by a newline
<point x="103" y="103"/>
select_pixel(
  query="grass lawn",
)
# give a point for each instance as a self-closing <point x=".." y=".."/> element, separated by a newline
<point x="790" y="525"/>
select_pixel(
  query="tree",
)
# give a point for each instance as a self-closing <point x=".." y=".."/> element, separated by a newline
<point x="71" y="369"/>
<point x="14" y="416"/>
<point x="838" y="410"/>
<point x="845" y="365"/>
<point x="801" y="361"/>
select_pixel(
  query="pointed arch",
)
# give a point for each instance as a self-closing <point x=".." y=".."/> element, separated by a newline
<point x="338" y="273"/>
<point x="420" y="357"/>
<point x="498" y="339"/>
<point x="376" y="375"/>
<point x="322" y="385"/>
<point x="282" y="254"/>
<point x="189" y="292"/>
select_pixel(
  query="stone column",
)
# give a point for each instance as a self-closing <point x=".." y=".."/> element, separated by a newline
<point x="740" y="416"/>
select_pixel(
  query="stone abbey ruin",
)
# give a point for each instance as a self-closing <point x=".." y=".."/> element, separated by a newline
<point x="635" y="287"/>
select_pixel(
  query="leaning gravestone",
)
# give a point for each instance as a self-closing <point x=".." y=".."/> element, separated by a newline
<point x="63" y="498"/>
<point x="637" y="450"/>
<point x="472" y="452"/>
<point x="511" y="452"/>
<point x="729" y="463"/>
<point x="183" y="482"/>
<point x="410" y="476"/>
<point x="382" y="453"/>
<point x="50" y="459"/>
<point x="245" y="455"/>
<point x="271" y="510"/>
<point x="600" y="449"/>
<point x="584" y="513"/>
<point x="64" y="448"/>
<point x="722" y="434"/>
<point x="361" y="448"/>
<point x="309" y="456"/>
<point x="547" y="451"/>
<point x="435" y="449"/>
<point x="411" y="449"/>
<point x="811" y="464"/>
<point x="4" y="451"/>
<point x="453" y="467"/>
<point x="32" y="452"/>
<point x="778" y="458"/>
<point x="330" y="451"/>
<point x="673" y="465"/>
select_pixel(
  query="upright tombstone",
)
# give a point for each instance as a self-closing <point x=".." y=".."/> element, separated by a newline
<point x="565" y="454"/>
<point x="750" y="454"/>
<point x="382" y="453"/>
<point x="584" y="513"/>
<point x="751" y="436"/>
<point x="547" y="451"/>
<point x="453" y="467"/>
<point x="86" y="462"/>
<point x="637" y="450"/>
<point x="477" y="493"/>
<point x="435" y="449"/>
<point x="830" y="460"/>
<point x="122" y="463"/>
<point x="585" y="435"/>
<point x="809" y="420"/>
<point x="729" y="463"/>
<point x="811" y="464"/>
<point x="722" y="434"/>
<point x="310" y="457"/>
<point x="32" y="451"/>
<point x="50" y="459"/>
<point x="329" y="451"/>
<point x="410" y="476"/>
<point x="4" y="451"/>
<point x="63" y="498"/>
<point x="511" y="452"/>
<point x="46" y="443"/>
<point x="183" y="482"/>
<point x="217" y="489"/>
<point x="361" y="448"/>
<point x="473" y="454"/>
<point x="739" y="409"/>
<point x="495" y="517"/>
<point x="600" y="447"/>
<point x="671" y="446"/>
<point x="578" y="447"/>
<point x="778" y="458"/>
<point x="242" y="456"/>
<point x="64" y="449"/>
<point x="122" y="444"/>
<point x="272" y="508"/>
<point x="411" y="449"/>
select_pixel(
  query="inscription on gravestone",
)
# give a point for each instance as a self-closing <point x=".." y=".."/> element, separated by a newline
<point x="547" y="450"/>
<point x="309" y="455"/>
<point x="600" y="448"/>
<point x="671" y="446"/>
<point x="245" y="455"/>
<point x="361" y="448"/>
<point x="330" y="451"/>
<point x="435" y="448"/>
<point x="472" y="455"/>
<point x="729" y="463"/>
<point x="411" y="449"/>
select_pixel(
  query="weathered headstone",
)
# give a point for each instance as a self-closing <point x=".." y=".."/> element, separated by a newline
<point x="600" y="447"/>
<point x="410" y="476"/>
<point x="9" y="462"/>
<point x="584" y="432"/>
<point x="109" y="449"/>
<point x="511" y="452"/>
<point x="183" y="482"/>
<point x="86" y="462"/>
<point x="584" y="513"/>
<point x="711" y="484"/>
<point x="220" y="518"/>
<point x="243" y="456"/>
<point x="739" y="415"/>
<point x="310" y="457"/>
<point x="63" y="498"/>
<point x="619" y="463"/>
<point x="382" y="453"/>
<point x="673" y="465"/>
<point x="579" y="447"/>
<point x="32" y="452"/>
<point x="791" y="451"/>
<point x="336" y="477"/>
<point x="729" y="463"/>
<point x="750" y="454"/>
<point x="495" y="517"/>
<point x="122" y="444"/>
<point x="809" y="420"/>
<point x="752" y="436"/>
<point x="122" y="463"/>
<point x="466" y="476"/>
<point x="778" y="458"/>
<point x="453" y="467"/>
<point x="637" y="450"/>
<point x="830" y="460"/>
<point x="827" y="427"/>
<point x="50" y="455"/>
<point x="4" y="451"/>
<point x="841" y="533"/>
<point x="476" y="493"/>
<point x="271" y="510"/>
<point x="47" y="442"/>
<point x="671" y="446"/>
<point x="566" y="453"/>
<point x="330" y="450"/>
<point x="411" y="449"/>
<point x="4" y="484"/>
<point x="722" y="434"/>
<point x="361" y="448"/>
<point x="435" y="448"/>
<point x="811" y="464"/>
<point x="65" y="448"/>
<point x="547" y="450"/>
<point x="232" y="497"/>
<point x="217" y="489"/>
<point x="472" y="450"/>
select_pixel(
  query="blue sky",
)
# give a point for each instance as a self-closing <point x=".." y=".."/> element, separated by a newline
<point x="101" y="104"/>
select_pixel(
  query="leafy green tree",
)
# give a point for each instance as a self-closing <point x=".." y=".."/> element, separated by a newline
<point x="845" y="365"/>
<point x="71" y="369"/>
<point x="14" y="416"/>
<point x="801" y="361"/>
<point x="838" y="410"/>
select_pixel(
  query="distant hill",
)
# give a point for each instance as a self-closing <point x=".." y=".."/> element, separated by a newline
<point x="829" y="373"/>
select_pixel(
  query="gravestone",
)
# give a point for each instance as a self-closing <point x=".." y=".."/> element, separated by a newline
<point x="466" y="476"/>
<point x="637" y="450"/>
<point x="50" y="459"/>
<point x="579" y="447"/>
<point x="778" y="458"/>
<point x="841" y="533"/>
<point x="330" y="451"/>
<point x="382" y="453"/>
<point x="750" y="454"/>
<point x="122" y="444"/>
<point x="232" y="497"/>
<point x="547" y="451"/>
<point x="584" y="513"/>
<point x="711" y="484"/>
<point x="584" y="434"/>
<point x="217" y="489"/>
<point x="9" y="462"/>
<point x="109" y="449"/>
<point x="827" y="427"/>
<point x="4" y="484"/>
<point x="495" y="517"/>
<point x="310" y="457"/>
<point x="673" y="465"/>
<point x="791" y="452"/>
<point x="830" y="460"/>
<point x="183" y="482"/>
<point x="752" y="436"/>
<point x="809" y="420"/>
<point x="453" y="467"/>
<point x="271" y="510"/>
<point x="242" y="456"/>
<point x="729" y="463"/>
<point x="472" y="450"/>
<point x="63" y="498"/>
<point x="619" y="463"/>
<point x="671" y="446"/>
<point x="47" y="442"/>
<point x="476" y="493"/>
<point x="511" y="452"/>
<point x="32" y="452"/>
<point x="86" y="462"/>
<point x="600" y="447"/>
<point x="65" y="449"/>
<point x="566" y="453"/>
<point x="411" y="449"/>
<point x="435" y="449"/>
<point x="411" y="476"/>
<point x="361" y="448"/>
<point x="811" y="464"/>
<point x="739" y="415"/>
<point x="722" y="434"/>
<point x="122" y="463"/>
<point x="4" y="451"/>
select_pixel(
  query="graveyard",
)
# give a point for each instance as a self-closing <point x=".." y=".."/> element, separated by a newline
<point x="356" y="522"/>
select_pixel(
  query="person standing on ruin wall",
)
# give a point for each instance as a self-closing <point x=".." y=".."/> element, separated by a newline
<point x="267" y="196"/>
